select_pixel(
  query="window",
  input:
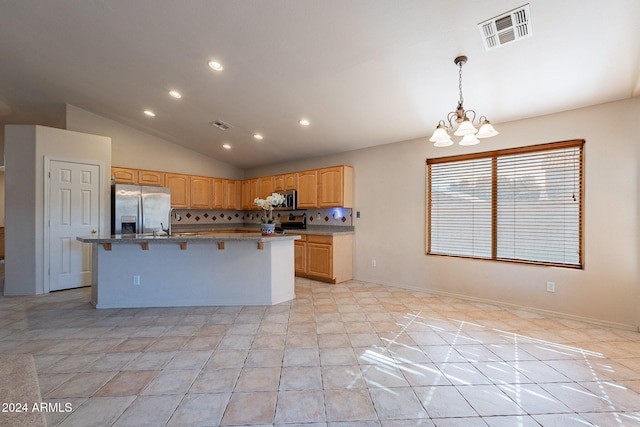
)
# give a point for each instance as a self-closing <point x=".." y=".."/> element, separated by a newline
<point x="522" y="204"/>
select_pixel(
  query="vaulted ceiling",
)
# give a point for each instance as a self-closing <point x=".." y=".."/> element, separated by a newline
<point x="363" y="72"/>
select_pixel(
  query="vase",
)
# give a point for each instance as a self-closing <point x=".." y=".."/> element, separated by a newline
<point x="268" y="229"/>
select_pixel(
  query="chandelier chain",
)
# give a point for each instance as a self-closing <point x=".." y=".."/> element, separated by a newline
<point x="461" y="100"/>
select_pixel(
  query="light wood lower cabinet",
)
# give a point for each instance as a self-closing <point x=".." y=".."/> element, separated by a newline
<point x="325" y="258"/>
<point x="300" y="255"/>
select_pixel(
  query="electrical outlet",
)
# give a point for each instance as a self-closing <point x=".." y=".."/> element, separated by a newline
<point x="551" y="287"/>
<point x="136" y="280"/>
<point x="373" y="263"/>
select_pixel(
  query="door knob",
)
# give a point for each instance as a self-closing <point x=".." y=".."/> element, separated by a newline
<point x="94" y="231"/>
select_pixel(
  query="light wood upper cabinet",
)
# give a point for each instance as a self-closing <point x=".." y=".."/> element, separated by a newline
<point x="151" y="178"/>
<point x="323" y="188"/>
<point x="201" y="192"/>
<point x="219" y="192"/>
<point x="233" y="194"/>
<point x="285" y="182"/>
<point x="245" y="194"/>
<point x="307" y="189"/>
<point x="254" y="191"/>
<point x="180" y="186"/>
<point x="124" y="175"/>
<point x="291" y="181"/>
<point x="278" y="183"/>
<point x="335" y="187"/>
<point x="266" y="186"/>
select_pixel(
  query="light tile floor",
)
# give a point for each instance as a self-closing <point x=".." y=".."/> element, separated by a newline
<point x="354" y="354"/>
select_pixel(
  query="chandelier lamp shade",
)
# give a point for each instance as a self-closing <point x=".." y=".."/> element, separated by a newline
<point x="464" y="119"/>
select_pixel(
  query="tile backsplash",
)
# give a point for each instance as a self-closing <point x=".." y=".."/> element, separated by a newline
<point x="329" y="216"/>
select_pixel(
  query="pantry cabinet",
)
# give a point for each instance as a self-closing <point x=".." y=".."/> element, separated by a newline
<point x="180" y="186"/>
<point x="325" y="258"/>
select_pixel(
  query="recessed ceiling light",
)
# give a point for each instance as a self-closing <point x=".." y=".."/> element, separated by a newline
<point x="304" y="122"/>
<point x="226" y="146"/>
<point x="149" y="113"/>
<point x="215" y="65"/>
<point x="258" y="136"/>
<point x="175" y="94"/>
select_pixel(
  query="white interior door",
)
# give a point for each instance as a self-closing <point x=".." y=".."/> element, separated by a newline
<point x="73" y="211"/>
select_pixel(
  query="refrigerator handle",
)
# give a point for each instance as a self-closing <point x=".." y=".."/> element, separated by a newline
<point x="141" y="213"/>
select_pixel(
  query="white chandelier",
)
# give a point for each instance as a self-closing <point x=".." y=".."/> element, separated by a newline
<point x="466" y="128"/>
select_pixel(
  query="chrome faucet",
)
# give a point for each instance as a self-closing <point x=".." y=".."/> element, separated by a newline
<point x="172" y="214"/>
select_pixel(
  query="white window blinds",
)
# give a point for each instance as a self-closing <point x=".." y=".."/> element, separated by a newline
<point x="520" y="204"/>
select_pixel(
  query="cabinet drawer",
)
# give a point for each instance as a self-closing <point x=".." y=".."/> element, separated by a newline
<point x="303" y="237"/>
<point x="314" y="238"/>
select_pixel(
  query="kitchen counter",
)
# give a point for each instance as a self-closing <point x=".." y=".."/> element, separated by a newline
<point x="191" y="270"/>
<point x="321" y="230"/>
<point x="187" y="236"/>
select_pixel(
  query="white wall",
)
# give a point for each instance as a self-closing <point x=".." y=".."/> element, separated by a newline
<point x="135" y="149"/>
<point x="26" y="147"/>
<point x="390" y="195"/>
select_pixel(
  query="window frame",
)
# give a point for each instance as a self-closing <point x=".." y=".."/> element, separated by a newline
<point x="494" y="155"/>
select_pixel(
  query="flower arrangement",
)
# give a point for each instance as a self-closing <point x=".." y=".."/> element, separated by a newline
<point x="275" y="199"/>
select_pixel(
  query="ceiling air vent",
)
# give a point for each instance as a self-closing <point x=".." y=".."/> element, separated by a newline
<point x="506" y="28"/>
<point x="221" y="125"/>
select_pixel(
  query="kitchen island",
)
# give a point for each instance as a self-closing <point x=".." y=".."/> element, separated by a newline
<point x="191" y="269"/>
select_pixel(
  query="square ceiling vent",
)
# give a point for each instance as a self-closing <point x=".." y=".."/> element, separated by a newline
<point x="506" y="28"/>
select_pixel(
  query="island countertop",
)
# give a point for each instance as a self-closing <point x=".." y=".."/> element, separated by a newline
<point x="187" y="237"/>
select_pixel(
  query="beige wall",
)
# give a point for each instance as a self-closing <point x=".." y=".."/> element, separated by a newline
<point x="390" y="195"/>
<point x="135" y="149"/>
<point x="27" y="149"/>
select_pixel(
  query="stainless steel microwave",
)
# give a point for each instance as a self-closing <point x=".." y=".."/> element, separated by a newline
<point x="290" y="200"/>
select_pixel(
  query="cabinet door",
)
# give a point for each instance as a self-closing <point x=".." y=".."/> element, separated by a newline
<point x="245" y="190"/>
<point x="150" y="178"/>
<point x="254" y="190"/>
<point x="278" y="183"/>
<point x="291" y="181"/>
<point x="180" y="189"/>
<point x="201" y="193"/>
<point x="124" y="175"/>
<point x="307" y="189"/>
<point x="300" y="255"/>
<point x="218" y="193"/>
<point x="319" y="260"/>
<point x="330" y="190"/>
<point x="232" y="194"/>
<point x="266" y="186"/>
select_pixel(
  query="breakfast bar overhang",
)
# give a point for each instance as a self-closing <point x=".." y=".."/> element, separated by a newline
<point x="178" y="271"/>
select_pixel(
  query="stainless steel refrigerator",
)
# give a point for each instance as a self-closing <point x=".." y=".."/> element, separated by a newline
<point x="139" y="209"/>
